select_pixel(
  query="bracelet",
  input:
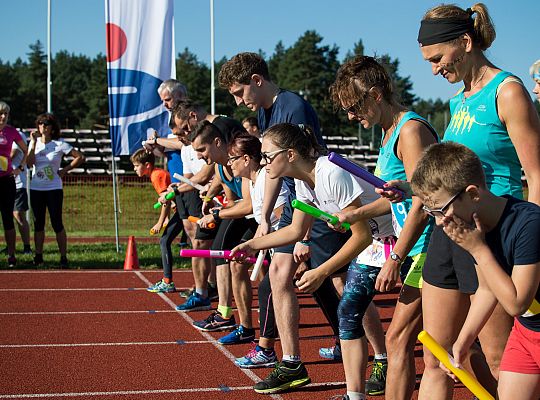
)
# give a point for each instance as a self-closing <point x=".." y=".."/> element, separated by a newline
<point x="207" y="199"/>
<point x="305" y="242"/>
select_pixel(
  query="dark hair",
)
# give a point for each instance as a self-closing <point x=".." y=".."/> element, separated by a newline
<point x="244" y="143"/>
<point x="356" y="77"/>
<point x="252" y="121"/>
<point x="142" y="156"/>
<point x="298" y="137"/>
<point x="51" y="119"/>
<point x="182" y="108"/>
<point x="240" y="69"/>
<point x="483" y="33"/>
<point x="207" y="132"/>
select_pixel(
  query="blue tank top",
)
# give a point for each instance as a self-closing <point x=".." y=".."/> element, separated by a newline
<point x="476" y="124"/>
<point x="389" y="167"/>
<point x="235" y="184"/>
<point x="174" y="164"/>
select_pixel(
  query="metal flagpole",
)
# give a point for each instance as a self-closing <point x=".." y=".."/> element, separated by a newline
<point x="212" y="61"/>
<point x="115" y="201"/>
<point x="49" y="81"/>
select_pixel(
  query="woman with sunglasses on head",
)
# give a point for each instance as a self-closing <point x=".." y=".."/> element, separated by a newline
<point x="535" y="75"/>
<point x="8" y="135"/>
<point x="492" y="115"/>
<point x="292" y="150"/>
<point x="45" y="155"/>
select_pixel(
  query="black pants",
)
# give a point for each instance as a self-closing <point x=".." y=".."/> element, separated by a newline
<point x="7" y="201"/>
<point x="173" y="229"/>
<point x="43" y="200"/>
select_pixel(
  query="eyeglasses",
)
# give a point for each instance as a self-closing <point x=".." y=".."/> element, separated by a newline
<point x="232" y="159"/>
<point x="440" y="212"/>
<point x="357" y="108"/>
<point x="269" y="157"/>
<point x="45" y="123"/>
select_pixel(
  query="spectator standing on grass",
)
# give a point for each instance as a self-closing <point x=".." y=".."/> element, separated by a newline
<point x="18" y="155"/>
<point x="8" y="135"/>
<point x="45" y="155"/>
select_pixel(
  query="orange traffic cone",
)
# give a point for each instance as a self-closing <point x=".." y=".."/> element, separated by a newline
<point x="132" y="260"/>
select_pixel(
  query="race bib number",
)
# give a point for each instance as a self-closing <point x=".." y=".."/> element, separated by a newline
<point x="3" y="163"/>
<point x="376" y="254"/>
<point x="45" y="173"/>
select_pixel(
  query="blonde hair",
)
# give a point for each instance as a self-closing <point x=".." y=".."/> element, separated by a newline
<point x="483" y="28"/>
<point x="4" y="107"/>
<point x="535" y="68"/>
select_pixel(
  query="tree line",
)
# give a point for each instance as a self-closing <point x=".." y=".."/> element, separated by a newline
<point x="80" y="86"/>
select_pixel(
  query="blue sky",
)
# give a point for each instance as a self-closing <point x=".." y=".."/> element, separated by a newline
<point x="384" y="26"/>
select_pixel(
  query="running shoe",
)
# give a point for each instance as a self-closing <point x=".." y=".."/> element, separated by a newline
<point x="331" y="353"/>
<point x="340" y="397"/>
<point x="215" y="322"/>
<point x="257" y="358"/>
<point x="195" y="302"/>
<point x="238" y="336"/>
<point x="283" y="378"/>
<point x="64" y="263"/>
<point x="12" y="262"/>
<point x="27" y="250"/>
<point x="162" y="287"/>
<point x="38" y="259"/>
<point x="186" y="293"/>
<point x="376" y="383"/>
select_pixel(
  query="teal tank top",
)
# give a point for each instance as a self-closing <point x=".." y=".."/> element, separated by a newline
<point x="476" y="124"/>
<point x="389" y="167"/>
<point x="235" y="184"/>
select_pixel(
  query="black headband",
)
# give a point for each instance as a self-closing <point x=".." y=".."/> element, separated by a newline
<point x="440" y="30"/>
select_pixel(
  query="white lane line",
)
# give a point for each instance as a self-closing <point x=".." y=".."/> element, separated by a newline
<point x="176" y="343"/>
<point x="87" y="312"/>
<point x="251" y="375"/>
<point x="223" y="389"/>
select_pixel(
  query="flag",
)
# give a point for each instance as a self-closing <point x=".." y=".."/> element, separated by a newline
<point x="140" y="56"/>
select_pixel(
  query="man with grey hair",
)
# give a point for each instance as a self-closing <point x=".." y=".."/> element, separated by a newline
<point x="171" y="91"/>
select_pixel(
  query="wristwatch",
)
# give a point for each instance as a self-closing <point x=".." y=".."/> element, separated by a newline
<point x="396" y="257"/>
<point x="215" y="214"/>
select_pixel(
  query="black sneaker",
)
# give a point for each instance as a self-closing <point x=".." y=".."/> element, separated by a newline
<point x="38" y="259"/>
<point x="12" y="262"/>
<point x="283" y="378"/>
<point x="377" y="380"/>
<point x="215" y="322"/>
<point x="27" y="249"/>
<point x="64" y="263"/>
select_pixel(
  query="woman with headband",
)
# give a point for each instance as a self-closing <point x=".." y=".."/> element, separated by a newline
<point x="535" y="74"/>
<point x="492" y="115"/>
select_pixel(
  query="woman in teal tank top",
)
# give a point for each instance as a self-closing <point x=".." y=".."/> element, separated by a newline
<point x="493" y="115"/>
<point x="364" y="90"/>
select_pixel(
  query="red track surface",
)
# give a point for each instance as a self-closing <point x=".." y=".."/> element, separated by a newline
<point x="100" y="335"/>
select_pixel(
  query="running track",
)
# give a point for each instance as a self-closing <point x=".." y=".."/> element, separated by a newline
<point x="100" y="335"/>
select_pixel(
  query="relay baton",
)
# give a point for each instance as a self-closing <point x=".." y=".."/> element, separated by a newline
<point x="360" y="172"/>
<point x="215" y="254"/>
<point x="463" y="375"/>
<point x="191" y="218"/>
<point x="258" y="265"/>
<point x="183" y="179"/>
<point x="168" y="196"/>
<point x="315" y="212"/>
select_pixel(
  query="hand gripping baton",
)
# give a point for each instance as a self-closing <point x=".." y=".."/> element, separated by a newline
<point x="463" y="375"/>
<point x="183" y="179"/>
<point x="315" y="212"/>
<point x="215" y="254"/>
<point x="258" y="264"/>
<point x="191" y="218"/>
<point x="168" y="196"/>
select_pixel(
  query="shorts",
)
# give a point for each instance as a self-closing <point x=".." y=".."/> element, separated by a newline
<point x="415" y="265"/>
<point x="448" y="266"/>
<point x="522" y="352"/>
<point x="189" y="204"/>
<point x="232" y="232"/>
<point x="325" y="243"/>
<point x="21" y="200"/>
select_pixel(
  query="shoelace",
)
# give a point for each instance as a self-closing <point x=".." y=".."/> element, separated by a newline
<point x="252" y="352"/>
<point x="378" y="370"/>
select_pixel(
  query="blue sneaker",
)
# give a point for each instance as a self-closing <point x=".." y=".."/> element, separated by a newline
<point x="238" y="336"/>
<point x="257" y="358"/>
<point x="195" y="303"/>
<point x="162" y="287"/>
<point x="215" y="322"/>
<point x="331" y="353"/>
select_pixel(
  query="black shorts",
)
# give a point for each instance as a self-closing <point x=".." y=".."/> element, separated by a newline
<point x="21" y="200"/>
<point x="448" y="266"/>
<point x="232" y="232"/>
<point x="325" y="243"/>
<point x="188" y="204"/>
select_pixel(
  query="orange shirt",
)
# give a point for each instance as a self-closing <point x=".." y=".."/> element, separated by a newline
<point x="160" y="180"/>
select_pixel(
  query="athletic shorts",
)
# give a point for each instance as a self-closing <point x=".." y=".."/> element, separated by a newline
<point x="232" y="232"/>
<point x="190" y="204"/>
<point x="21" y="200"/>
<point x="415" y="265"/>
<point x="325" y="243"/>
<point x="522" y="352"/>
<point x="448" y="266"/>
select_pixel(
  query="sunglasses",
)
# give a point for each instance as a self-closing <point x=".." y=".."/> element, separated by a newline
<point x="270" y="156"/>
<point x="45" y="123"/>
<point x="232" y="159"/>
<point x="440" y="212"/>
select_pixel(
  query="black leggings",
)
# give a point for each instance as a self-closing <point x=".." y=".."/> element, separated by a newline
<point x="7" y="201"/>
<point x="41" y="200"/>
<point x="174" y="227"/>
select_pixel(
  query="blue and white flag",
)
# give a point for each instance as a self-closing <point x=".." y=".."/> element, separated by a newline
<point x="140" y="55"/>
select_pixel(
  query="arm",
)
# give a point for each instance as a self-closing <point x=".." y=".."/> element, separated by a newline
<point x="168" y="143"/>
<point x="202" y="178"/>
<point x="375" y="209"/>
<point x="272" y="187"/>
<point x="22" y="145"/>
<point x="31" y="158"/>
<point x="517" y="112"/>
<point x="241" y="208"/>
<point x="78" y="159"/>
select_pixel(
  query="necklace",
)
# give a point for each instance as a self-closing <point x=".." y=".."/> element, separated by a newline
<point x="476" y="83"/>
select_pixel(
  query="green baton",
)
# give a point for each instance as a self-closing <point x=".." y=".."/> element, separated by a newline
<point x="315" y="212"/>
<point x="168" y="196"/>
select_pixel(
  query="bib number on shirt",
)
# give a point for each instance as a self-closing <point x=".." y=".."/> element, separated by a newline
<point x="3" y="164"/>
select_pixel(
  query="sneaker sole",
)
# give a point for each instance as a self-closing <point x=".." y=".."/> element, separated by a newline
<point x="375" y="393"/>
<point x="253" y="366"/>
<point x="243" y="341"/>
<point x="160" y="291"/>
<point x="199" y="308"/>
<point x="217" y="329"/>
<point x="287" y="386"/>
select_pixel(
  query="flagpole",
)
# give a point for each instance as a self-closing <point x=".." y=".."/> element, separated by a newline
<point x="49" y="81"/>
<point x="212" y="62"/>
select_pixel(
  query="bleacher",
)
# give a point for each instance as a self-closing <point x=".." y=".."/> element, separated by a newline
<point x="348" y="146"/>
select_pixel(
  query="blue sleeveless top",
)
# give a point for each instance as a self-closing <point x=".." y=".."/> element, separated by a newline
<point x="476" y="124"/>
<point x="389" y="167"/>
<point x="235" y="184"/>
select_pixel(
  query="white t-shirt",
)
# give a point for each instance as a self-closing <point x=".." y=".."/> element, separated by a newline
<point x="256" y="190"/>
<point x="335" y="189"/>
<point x="191" y="163"/>
<point x="20" y="179"/>
<point x="48" y="159"/>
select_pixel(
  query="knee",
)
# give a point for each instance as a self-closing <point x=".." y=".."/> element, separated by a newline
<point x="201" y="244"/>
<point x="431" y="362"/>
<point x="350" y="322"/>
<point x="57" y="227"/>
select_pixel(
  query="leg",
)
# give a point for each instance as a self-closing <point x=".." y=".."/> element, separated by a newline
<point x="374" y="330"/>
<point x="241" y="286"/>
<point x="55" y="200"/>
<point x="24" y="228"/>
<point x="38" y="202"/>
<point x="513" y="385"/>
<point x="7" y="202"/>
